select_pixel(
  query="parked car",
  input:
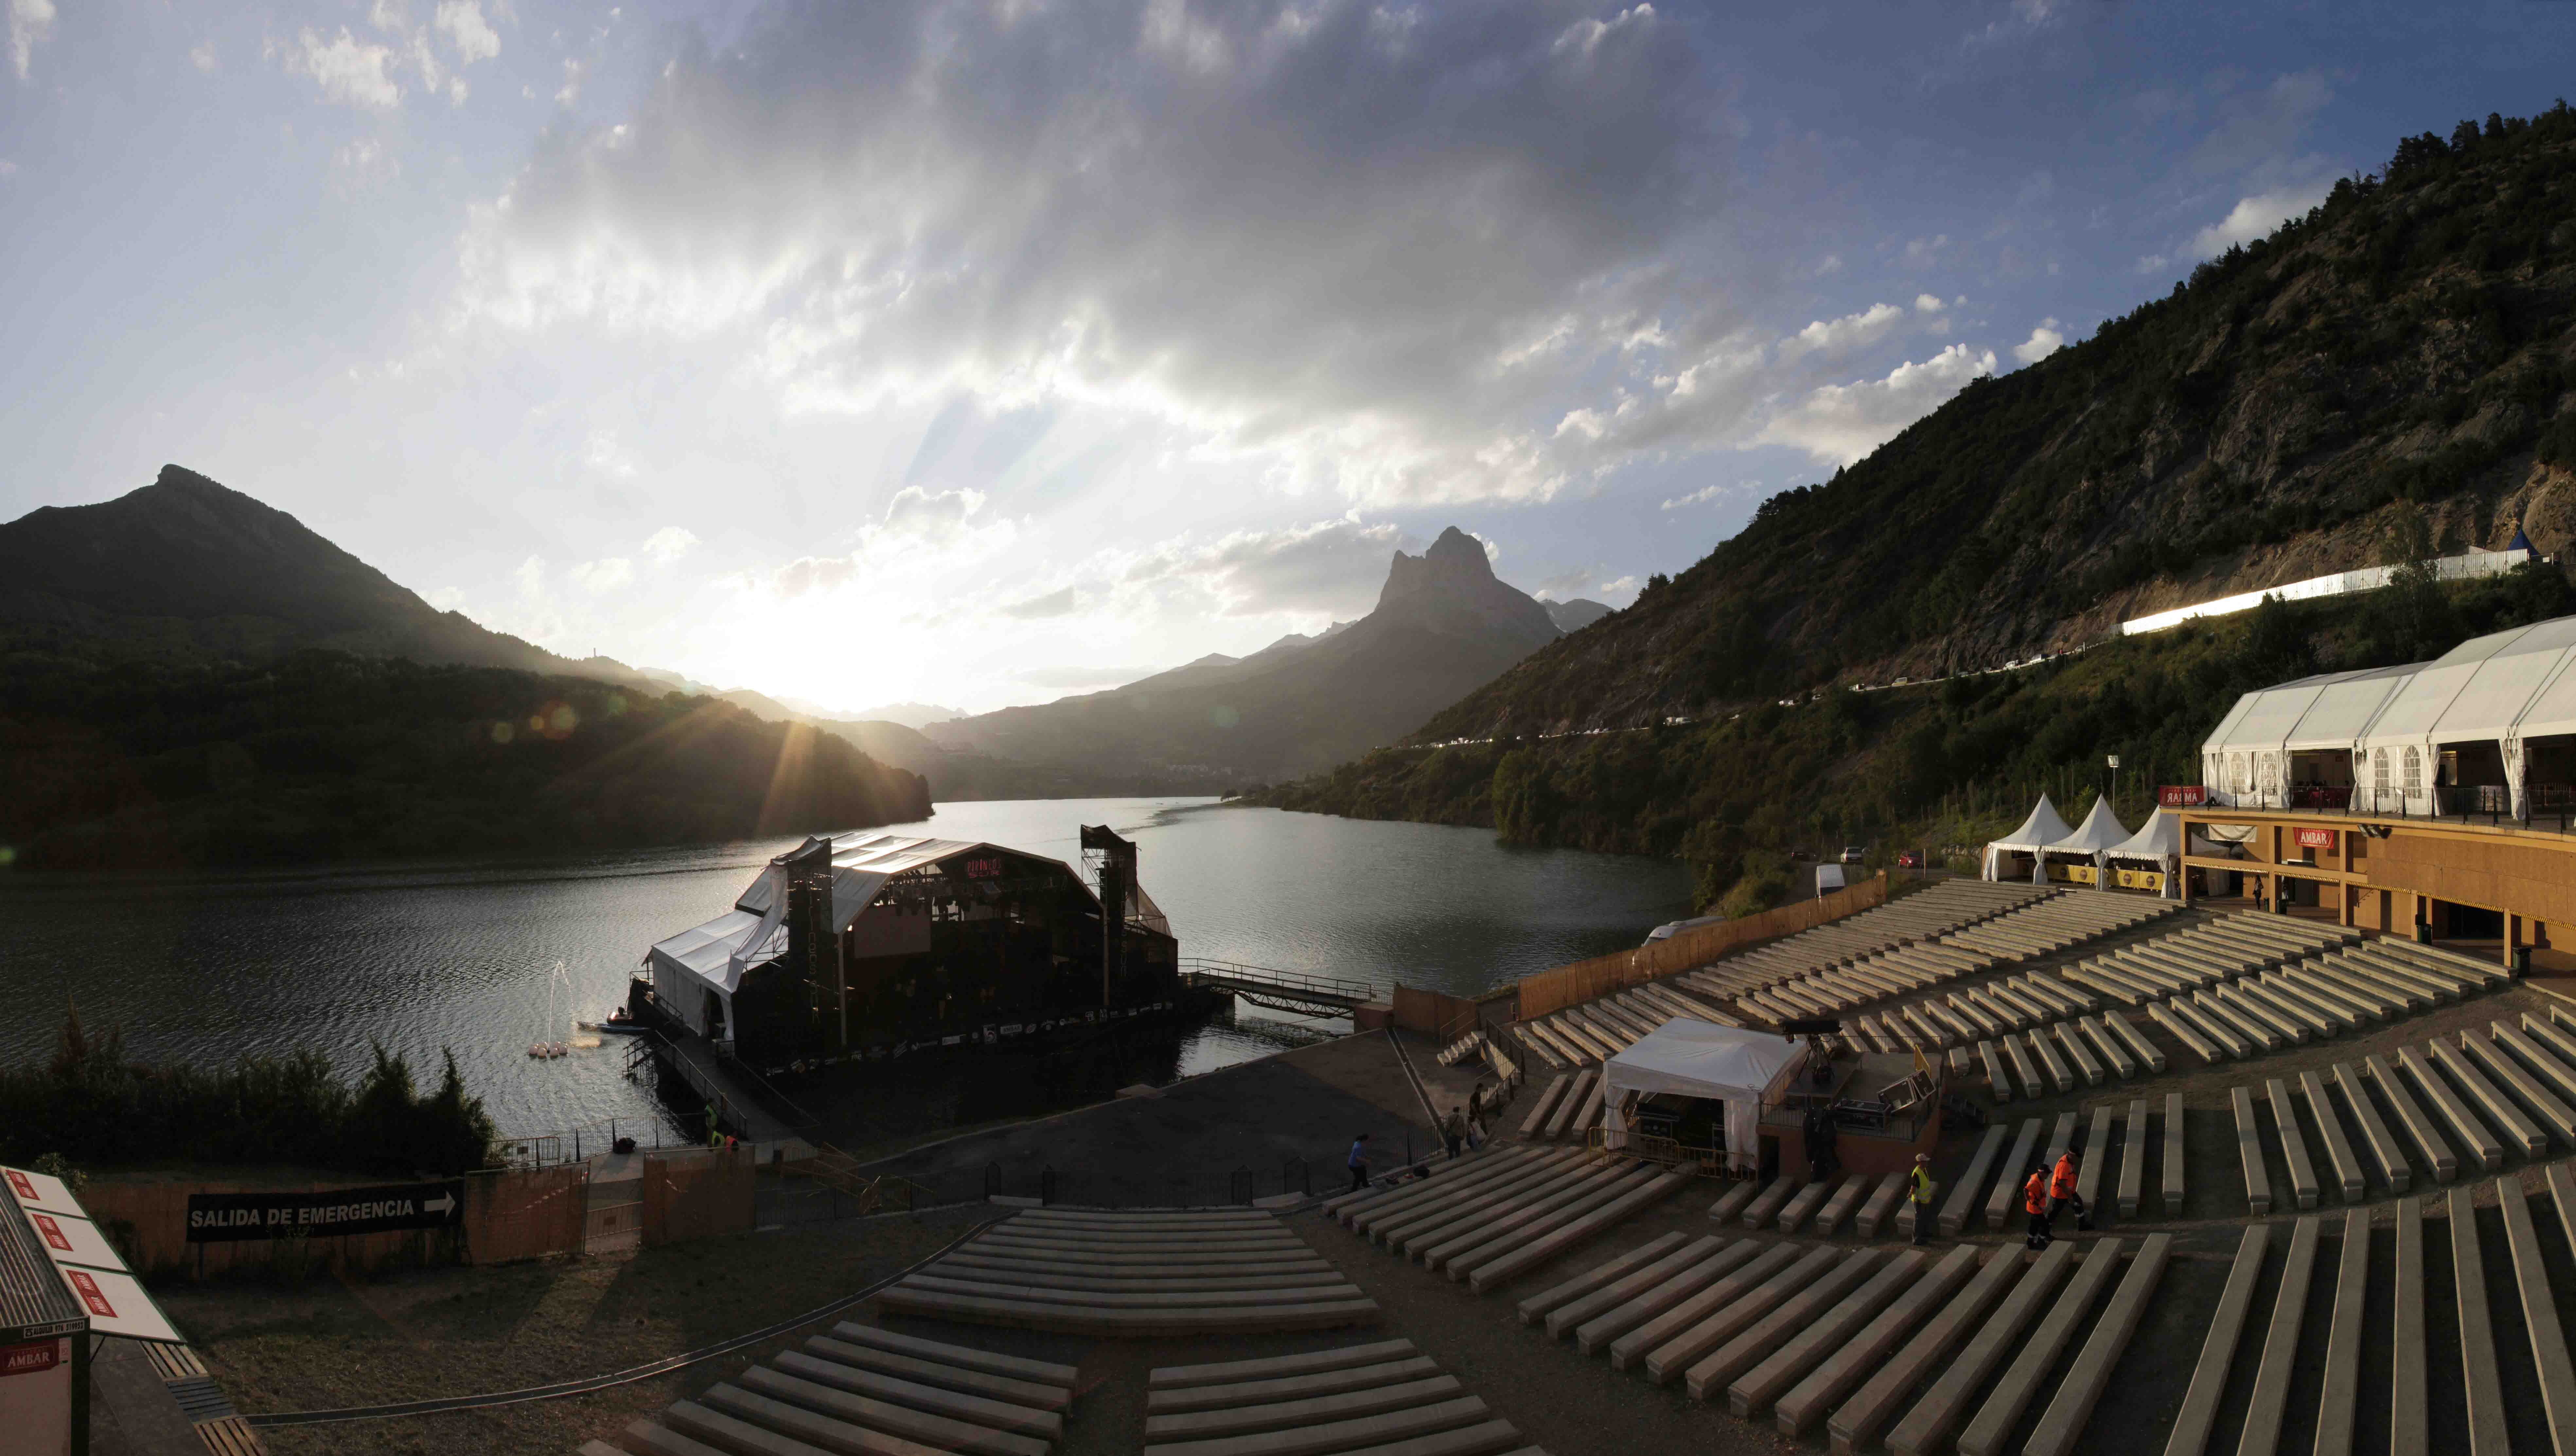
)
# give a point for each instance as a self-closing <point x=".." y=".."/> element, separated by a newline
<point x="1855" y="853"/>
<point x="1909" y="861"/>
<point x="1802" y="856"/>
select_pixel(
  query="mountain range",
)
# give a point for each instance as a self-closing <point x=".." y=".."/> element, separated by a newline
<point x="2391" y="376"/>
<point x="1443" y="624"/>
<point x="2408" y="345"/>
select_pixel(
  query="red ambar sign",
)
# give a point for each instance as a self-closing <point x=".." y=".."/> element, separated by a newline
<point x="52" y="1231"/>
<point x="29" y="1359"/>
<point x="2182" y="796"/>
<point x="2316" y="839"/>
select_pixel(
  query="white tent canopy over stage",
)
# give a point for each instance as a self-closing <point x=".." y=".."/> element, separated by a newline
<point x="1718" y="1063"/>
<point x="2042" y="829"/>
<point x="2497" y="713"/>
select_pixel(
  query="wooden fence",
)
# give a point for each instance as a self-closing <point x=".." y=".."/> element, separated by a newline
<point x="1582" y="981"/>
<point x="1432" y="1013"/>
<point x="526" y="1213"/>
<point x="697" y="1195"/>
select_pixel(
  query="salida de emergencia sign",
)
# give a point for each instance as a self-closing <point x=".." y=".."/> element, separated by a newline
<point x="215" y="1218"/>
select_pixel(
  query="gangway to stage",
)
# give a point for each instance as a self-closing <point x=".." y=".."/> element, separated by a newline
<point x="1291" y="991"/>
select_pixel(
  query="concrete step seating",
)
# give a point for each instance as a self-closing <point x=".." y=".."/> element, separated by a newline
<point x="1378" y="1399"/>
<point x="1135" y="1274"/>
<point x="2057" y="924"/>
<point x="1916" y="918"/>
<point x="1869" y="1346"/>
<point x="2055" y="1057"/>
<point x="1488" y="1219"/>
<point x="866" y="1389"/>
<point x="2506" y="1322"/>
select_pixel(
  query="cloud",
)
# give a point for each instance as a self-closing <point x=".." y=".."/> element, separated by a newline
<point x="1919" y="252"/>
<point x="349" y="71"/>
<point x="2262" y="128"/>
<point x="921" y="533"/>
<point x="1840" y="423"/>
<point x="570" y="91"/>
<point x="1701" y="496"/>
<point x="2043" y="341"/>
<point x="463" y="23"/>
<point x="1330" y="567"/>
<point x="31" y="22"/>
<point x="8" y="169"/>
<point x="602" y="577"/>
<point x="2256" y="217"/>
<point x="1851" y="331"/>
<point x="1926" y="303"/>
<point x="1059" y="603"/>
<point x="1309" y="234"/>
<point x="364" y="162"/>
<point x="202" y="56"/>
<point x="531" y="577"/>
<point x="669" y="544"/>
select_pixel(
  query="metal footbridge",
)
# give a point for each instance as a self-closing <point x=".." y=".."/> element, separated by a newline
<point x="1295" y="992"/>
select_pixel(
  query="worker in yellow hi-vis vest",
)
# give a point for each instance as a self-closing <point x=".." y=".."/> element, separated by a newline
<point x="1918" y="1187"/>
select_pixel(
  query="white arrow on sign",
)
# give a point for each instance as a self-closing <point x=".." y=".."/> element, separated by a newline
<point x="441" y="1204"/>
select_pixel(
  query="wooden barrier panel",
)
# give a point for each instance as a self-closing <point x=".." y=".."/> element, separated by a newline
<point x="1431" y="1013"/>
<point x="1584" y="980"/>
<point x="697" y="1196"/>
<point x="526" y="1213"/>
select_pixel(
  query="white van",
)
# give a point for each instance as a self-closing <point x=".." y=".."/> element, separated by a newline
<point x="1829" y="878"/>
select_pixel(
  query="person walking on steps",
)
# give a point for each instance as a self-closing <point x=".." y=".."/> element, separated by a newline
<point x="2061" y="1191"/>
<point x="1918" y="1187"/>
<point x="1453" y="1132"/>
<point x="2034" y="1201"/>
<point x="1359" y="1162"/>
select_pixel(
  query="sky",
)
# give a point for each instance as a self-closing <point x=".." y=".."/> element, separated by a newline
<point x="979" y="353"/>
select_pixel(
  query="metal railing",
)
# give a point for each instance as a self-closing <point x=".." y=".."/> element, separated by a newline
<point x="1196" y="970"/>
<point x="2549" y="807"/>
<point x="1183" y="1185"/>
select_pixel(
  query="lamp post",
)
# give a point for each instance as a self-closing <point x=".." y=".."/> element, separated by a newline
<point x="2115" y="782"/>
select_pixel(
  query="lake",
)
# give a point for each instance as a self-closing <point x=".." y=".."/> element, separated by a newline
<point x="460" y="954"/>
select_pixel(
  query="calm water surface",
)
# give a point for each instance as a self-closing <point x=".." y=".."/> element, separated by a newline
<point x="459" y="954"/>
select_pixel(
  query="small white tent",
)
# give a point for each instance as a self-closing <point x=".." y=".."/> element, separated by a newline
<point x="1696" y="1059"/>
<point x="2100" y="830"/>
<point x="2042" y="829"/>
<point x="2158" y="842"/>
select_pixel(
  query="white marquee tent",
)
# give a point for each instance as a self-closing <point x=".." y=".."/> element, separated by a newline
<point x="1696" y="1059"/>
<point x="2158" y="842"/>
<point x="2095" y="837"/>
<point x="2042" y="829"/>
<point x="2504" y="689"/>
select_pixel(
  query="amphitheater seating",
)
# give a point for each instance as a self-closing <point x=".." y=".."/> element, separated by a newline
<point x="1378" y="1397"/>
<point x="1097" y="1272"/>
<point x="1486" y="1220"/>
<point x="862" y="1388"/>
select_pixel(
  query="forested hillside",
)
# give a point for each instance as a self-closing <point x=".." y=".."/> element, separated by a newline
<point x="1941" y="766"/>
<point x="2406" y="344"/>
<point x="117" y="757"/>
<point x="2386" y="379"/>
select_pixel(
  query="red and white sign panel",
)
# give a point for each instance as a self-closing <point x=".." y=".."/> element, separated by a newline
<point x="2182" y="796"/>
<point x="2316" y="839"/>
<point x="33" y="1358"/>
<point x="75" y="1241"/>
<point x="117" y="1305"/>
<point x="37" y="1190"/>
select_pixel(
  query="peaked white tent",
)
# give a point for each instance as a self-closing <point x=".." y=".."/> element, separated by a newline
<point x="2093" y="838"/>
<point x="2042" y="829"/>
<point x="1696" y="1059"/>
<point x="2158" y="842"/>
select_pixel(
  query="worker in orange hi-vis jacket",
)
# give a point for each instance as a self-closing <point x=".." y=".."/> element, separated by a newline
<point x="2034" y="1201"/>
<point x="2061" y="1191"/>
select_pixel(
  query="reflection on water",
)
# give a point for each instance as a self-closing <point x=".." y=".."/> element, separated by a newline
<point x="456" y="954"/>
